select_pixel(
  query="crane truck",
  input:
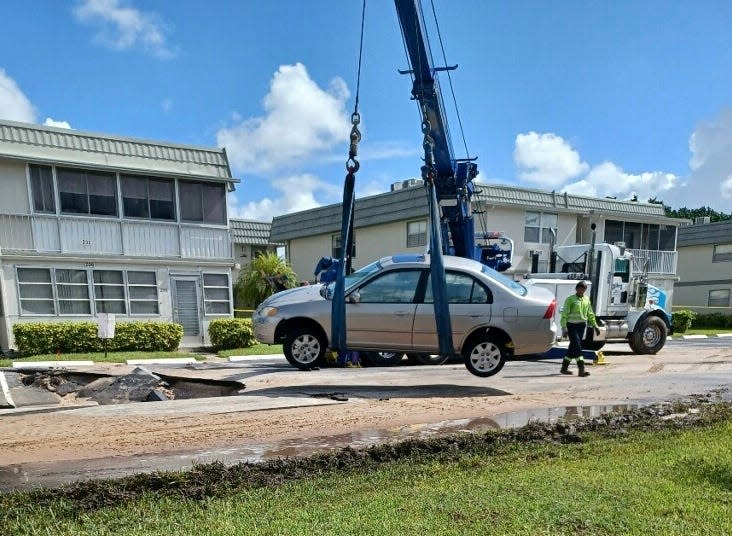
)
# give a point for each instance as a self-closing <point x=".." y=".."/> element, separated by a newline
<point x="619" y="295"/>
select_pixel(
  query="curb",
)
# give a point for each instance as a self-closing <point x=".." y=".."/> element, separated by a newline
<point x="706" y="336"/>
<point x="50" y="364"/>
<point x="263" y="357"/>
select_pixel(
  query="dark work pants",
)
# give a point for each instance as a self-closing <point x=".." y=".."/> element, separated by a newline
<point x="576" y="332"/>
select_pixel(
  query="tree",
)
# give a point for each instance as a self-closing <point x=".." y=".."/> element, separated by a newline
<point x="260" y="279"/>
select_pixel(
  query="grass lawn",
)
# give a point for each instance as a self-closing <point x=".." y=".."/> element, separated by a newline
<point x="663" y="482"/>
<point x="702" y="331"/>
<point x="257" y="349"/>
<point x="112" y="357"/>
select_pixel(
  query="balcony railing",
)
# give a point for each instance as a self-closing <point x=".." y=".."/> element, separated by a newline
<point x="89" y="236"/>
<point x="654" y="262"/>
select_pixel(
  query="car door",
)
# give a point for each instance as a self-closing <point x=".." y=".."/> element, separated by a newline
<point x="380" y="313"/>
<point x="470" y="303"/>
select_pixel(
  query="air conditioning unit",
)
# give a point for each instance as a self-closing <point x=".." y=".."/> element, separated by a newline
<point x="702" y="220"/>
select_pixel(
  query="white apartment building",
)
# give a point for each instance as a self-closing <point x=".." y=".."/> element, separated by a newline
<point x="91" y="223"/>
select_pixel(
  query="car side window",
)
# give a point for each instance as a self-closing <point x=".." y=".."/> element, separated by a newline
<point x="397" y="286"/>
<point x="461" y="288"/>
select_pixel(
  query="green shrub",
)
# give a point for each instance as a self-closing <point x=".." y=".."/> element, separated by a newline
<point x="76" y="337"/>
<point x="681" y="320"/>
<point x="229" y="333"/>
<point x="713" y="320"/>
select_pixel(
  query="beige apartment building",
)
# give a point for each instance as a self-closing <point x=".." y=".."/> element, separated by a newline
<point x="396" y="221"/>
<point x="705" y="267"/>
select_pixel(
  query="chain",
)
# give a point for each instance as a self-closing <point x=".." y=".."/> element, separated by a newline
<point x="352" y="163"/>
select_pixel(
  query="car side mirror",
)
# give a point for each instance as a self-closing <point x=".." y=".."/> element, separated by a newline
<point x="354" y="297"/>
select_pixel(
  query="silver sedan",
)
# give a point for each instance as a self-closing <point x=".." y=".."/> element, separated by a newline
<point x="389" y="307"/>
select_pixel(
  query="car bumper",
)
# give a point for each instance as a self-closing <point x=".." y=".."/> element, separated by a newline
<point x="264" y="330"/>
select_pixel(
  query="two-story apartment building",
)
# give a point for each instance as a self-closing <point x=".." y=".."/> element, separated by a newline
<point x="705" y="267"/>
<point x="536" y="220"/>
<point x="92" y="224"/>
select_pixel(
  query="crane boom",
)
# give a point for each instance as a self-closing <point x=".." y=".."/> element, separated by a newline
<point x="453" y="178"/>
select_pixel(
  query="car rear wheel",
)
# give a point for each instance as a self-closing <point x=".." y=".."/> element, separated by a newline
<point x="484" y="357"/>
<point x="304" y="348"/>
<point x="383" y="359"/>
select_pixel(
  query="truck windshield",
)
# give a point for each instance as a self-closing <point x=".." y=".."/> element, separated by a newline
<point x="510" y="284"/>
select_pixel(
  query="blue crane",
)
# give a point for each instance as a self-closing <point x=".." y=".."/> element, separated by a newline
<point x="448" y="180"/>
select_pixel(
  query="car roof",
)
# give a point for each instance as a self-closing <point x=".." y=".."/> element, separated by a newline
<point x="412" y="259"/>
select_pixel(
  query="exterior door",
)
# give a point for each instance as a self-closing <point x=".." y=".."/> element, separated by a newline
<point x="186" y="308"/>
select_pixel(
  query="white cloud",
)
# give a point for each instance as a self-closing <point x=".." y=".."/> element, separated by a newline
<point x="122" y="27"/>
<point x="14" y="105"/>
<point x="301" y="120"/>
<point x="298" y="193"/>
<point x="609" y="179"/>
<point x="49" y="122"/>
<point x="710" y="181"/>
<point x="546" y="160"/>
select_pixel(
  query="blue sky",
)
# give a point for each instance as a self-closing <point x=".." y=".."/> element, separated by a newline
<point x="598" y="98"/>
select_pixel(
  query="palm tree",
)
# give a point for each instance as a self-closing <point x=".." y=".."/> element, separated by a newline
<point x="265" y="275"/>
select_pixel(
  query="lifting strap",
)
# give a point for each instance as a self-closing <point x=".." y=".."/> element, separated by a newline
<point x="338" y="305"/>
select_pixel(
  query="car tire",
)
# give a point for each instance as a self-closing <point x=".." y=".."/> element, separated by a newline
<point x="304" y="348"/>
<point x="484" y="357"/>
<point x="426" y="359"/>
<point x="383" y="359"/>
<point x="648" y="337"/>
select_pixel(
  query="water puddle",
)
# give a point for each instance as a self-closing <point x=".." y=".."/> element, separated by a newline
<point x="26" y="476"/>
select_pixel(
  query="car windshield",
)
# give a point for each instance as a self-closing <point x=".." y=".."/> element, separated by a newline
<point x="356" y="277"/>
<point x="510" y="284"/>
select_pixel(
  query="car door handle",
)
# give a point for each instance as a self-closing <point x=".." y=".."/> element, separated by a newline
<point x="402" y="313"/>
<point x="477" y="316"/>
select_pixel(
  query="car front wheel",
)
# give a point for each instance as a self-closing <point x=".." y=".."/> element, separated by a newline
<point x="304" y="348"/>
<point x="484" y="357"/>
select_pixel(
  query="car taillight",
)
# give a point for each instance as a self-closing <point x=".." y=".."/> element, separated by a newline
<point x="550" y="310"/>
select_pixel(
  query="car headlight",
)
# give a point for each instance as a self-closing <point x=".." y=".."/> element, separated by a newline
<point x="267" y="311"/>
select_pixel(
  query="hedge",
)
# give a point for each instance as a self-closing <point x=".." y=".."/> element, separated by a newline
<point x="229" y="333"/>
<point x="681" y="320"/>
<point x="713" y="320"/>
<point x="77" y="337"/>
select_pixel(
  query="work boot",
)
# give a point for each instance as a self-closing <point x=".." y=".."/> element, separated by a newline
<point x="565" y="367"/>
<point x="581" y="366"/>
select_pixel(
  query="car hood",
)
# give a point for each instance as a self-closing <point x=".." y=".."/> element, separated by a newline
<point x="295" y="295"/>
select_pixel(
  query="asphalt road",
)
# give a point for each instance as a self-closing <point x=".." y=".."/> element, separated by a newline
<point x="290" y="412"/>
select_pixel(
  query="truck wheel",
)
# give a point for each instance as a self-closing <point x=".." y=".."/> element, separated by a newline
<point x="383" y="359"/>
<point x="648" y="337"/>
<point x="484" y="357"/>
<point x="304" y="348"/>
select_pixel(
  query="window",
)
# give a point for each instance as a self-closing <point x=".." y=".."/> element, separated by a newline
<point x="202" y="202"/>
<point x="398" y="286"/>
<point x="143" y="292"/>
<point x="35" y="291"/>
<point x="216" y="294"/>
<point x="718" y="298"/>
<point x="336" y="246"/>
<point x="87" y="192"/>
<point x="42" y="188"/>
<point x="538" y="227"/>
<point x="109" y="292"/>
<point x="641" y="235"/>
<point x="416" y="233"/>
<point x="613" y="231"/>
<point x="722" y="253"/>
<point x="72" y="291"/>
<point x="148" y="197"/>
<point x="461" y="288"/>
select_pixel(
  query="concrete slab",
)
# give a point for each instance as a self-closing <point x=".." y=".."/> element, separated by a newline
<point x="724" y="334"/>
<point x="25" y="396"/>
<point x="264" y="357"/>
<point x="693" y="336"/>
<point x="50" y="364"/>
<point x="6" y="399"/>
<point x="163" y="361"/>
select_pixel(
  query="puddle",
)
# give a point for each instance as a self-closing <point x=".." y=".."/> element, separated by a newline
<point x="26" y="476"/>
